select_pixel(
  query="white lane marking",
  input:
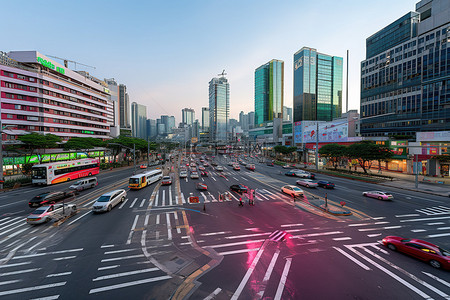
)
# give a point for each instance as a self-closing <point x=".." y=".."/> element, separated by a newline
<point x="33" y="288"/>
<point x="214" y="233"/>
<point x="342" y="238"/>
<point x="132" y="203"/>
<point x="79" y="218"/>
<point x="9" y="282"/>
<point x="283" y="279"/>
<point x="436" y="223"/>
<point x="402" y="281"/>
<point x="146" y="220"/>
<point x="235" y="178"/>
<point x="182" y="197"/>
<point x="247" y="235"/>
<point x="15" y="265"/>
<point x="291" y="225"/>
<point x="106" y="246"/>
<point x="125" y="274"/>
<point x="123" y="203"/>
<point x="374" y="235"/>
<point x="235" y="244"/>
<point x="262" y="196"/>
<point x="234" y="197"/>
<point x="262" y="286"/>
<point x="108" y="267"/>
<point x="169" y="231"/>
<point x="249" y="272"/>
<point x="119" y="251"/>
<point x="59" y="274"/>
<point x="90" y="202"/>
<point x="170" y="197"/>
<point x="157" y="198"/>
<point x="352" y="259"/>
<point x="186" y="243"/>
<point x="142" y="203"/>
<point x="213" y="178"/>
<point x="157" y="219"/>
<point x="175" y="215"/>
<point x="48" y="253"/>
<point x="163" y="198"/>
<point x="133" y="227"/>
<point x="64" y="258"/>
<point x="437" y="279"/>
<point x="360" y="224"/>
<point x="123" y="257"/>
<point x="238" y="251"/>
<point x="20" y="222"/>
<point x="425" y="219"/>
<point x="213" y="294"/>
<point x="439" y="235"/>
<point x="443" y="228"/>
<point x="205" y="198"/>
<point x="5" y="219"/>
<point x="410" y="215"/>
<point x="132" y="283"/>
<point x="54" y="297"/>
<point x="381" y="228"/>
<point x="379" y="218"/>
<point x="19" y="272"/>
<point x="418" y="230"/>
<point x="244" y="178"/>
<point x="315" y="234"/>
<point x="425" y="284"/>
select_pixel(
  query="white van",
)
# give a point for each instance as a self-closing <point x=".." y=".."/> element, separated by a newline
<point x="83" y="184"/>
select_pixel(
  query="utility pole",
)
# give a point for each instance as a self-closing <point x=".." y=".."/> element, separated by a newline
<point x="346" y="92"/>
<point x="134" y="157"/>
<point x="317" y="144"/>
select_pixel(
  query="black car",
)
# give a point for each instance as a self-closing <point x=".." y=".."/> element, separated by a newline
<point x="325" y="184"/>
<point x="239" y="188"/>
<point x="290" y="173"/>
<point x="49" y="198"/>
<point x="270" y="164"/>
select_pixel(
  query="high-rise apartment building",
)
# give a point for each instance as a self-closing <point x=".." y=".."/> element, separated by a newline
<point x="124" y="107"/>
<point x="317" y="86"/>
<point x="269" y="91"/>
<point x="219" y="108"/>
<point x="187" y="116"/>
<point x="251" y="120"/>
<point x="405" y="78"/>
<point x="205" y="119"/>
<point x="287" y="113"/>
<point x="139" y="120"/>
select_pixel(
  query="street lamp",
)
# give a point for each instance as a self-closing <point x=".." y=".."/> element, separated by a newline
<point x="134" y="152"/>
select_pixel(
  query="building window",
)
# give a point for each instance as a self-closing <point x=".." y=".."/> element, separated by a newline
<point x="18" y="106"/>
<point x="9" y="116"/>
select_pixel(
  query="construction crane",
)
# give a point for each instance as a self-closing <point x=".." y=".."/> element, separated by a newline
<point x="66" y="61"/>
<point x="223" y="74"/>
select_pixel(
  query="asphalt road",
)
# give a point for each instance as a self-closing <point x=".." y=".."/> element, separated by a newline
<point x="156" y="245"/>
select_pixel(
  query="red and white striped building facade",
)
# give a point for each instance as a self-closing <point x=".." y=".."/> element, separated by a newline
<point x="38" y="94"/>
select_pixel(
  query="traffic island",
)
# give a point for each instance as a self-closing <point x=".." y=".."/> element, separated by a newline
<point x="324" y="205"/>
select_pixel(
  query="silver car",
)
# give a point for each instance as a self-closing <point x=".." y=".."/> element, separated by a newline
<point x="307" y="182"/>
<point x="107" y="201"/>
<point x="45" y="214"/>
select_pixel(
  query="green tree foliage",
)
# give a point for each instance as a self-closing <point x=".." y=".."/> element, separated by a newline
<point x="83" y="144"/>
<point x="334" y="152"/>
<point x="284" y="150"/>
<point x="35" y="141"/>
<point x="366" y="152"/>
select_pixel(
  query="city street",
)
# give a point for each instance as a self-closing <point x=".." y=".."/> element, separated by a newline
<point x="157" y="245"/>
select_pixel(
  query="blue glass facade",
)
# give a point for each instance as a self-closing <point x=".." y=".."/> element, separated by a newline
<point x="317" y="86"/>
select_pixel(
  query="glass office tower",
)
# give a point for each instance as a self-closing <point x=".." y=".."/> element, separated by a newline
<point x="219" y="109"/>
<point x="317" y="86"/>
<point x="269" y="91"/>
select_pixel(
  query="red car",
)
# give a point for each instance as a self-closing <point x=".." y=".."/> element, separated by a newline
<point x="423" y="250"/>
<point x="202" y="186"/>
<point x="204" y="173"/>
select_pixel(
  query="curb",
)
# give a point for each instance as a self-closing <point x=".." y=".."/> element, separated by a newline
<point x="344" y="213"/>
<point x="413" y="190"/>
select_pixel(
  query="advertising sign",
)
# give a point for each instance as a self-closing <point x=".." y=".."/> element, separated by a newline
<point x="329" y="132"/>
<point x="297" y="132"/>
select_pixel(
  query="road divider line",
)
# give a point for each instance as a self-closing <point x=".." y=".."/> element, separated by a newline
<point x="352" y="259"/>
<point x="170" y="196"/>
<point x="125" y="274"/>
<point x="262" y="286"/>
<point x="169" y="230"/>
<point x="213" y="294"/>
<point x="283" y="279"/>
<point x="133" y="227"/>
<point x="121" y="258"/>
<point x="79" y="218"/>
<point x="32" y="288"/>
<point x="238" y="251"/>
<point x="127" y="284"/>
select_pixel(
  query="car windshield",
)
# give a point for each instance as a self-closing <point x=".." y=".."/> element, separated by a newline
<point x="103" y="199"/>
<point x="166" y="178"/>
<point x="77" y="183"/>
<point x="296" y="189"/>
<point x="38" y="212"/>
<point x="134" y="180"/>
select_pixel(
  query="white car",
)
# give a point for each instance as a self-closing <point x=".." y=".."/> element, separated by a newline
<point x="219" y="168"/>
<point x="307" y="182"/>
<point x="45" y="214"/>
<point x="194" y="175"/>
<point x="183" y="174"/>
<point x="378" y="195"/>
<point x="292" y="190"/>
<point x="107" y="201"/>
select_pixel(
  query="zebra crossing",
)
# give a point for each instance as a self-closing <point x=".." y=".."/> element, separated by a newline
<point x="435" y="210"/>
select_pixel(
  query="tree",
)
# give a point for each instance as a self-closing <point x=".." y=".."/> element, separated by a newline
<point x="83" y="144"/>
<point x="284" y="150"/>
<point x="334" y="152"/>
<point x="366" y="152"/>
<point x="35" y="141"/>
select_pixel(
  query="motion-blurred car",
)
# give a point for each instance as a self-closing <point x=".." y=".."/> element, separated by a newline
<point x="250" y="167"/>
<point x="325" y="184"/>
<point x="201" y="168"/>
<point x="219" y="168"/>
<point x="50" y="198"/>
<point x="204" y="173"/>
<point x="194" y="175"/>
<point x="238" y="188"/>
<point x="303" y="174"/>
<point x="378" y="195"/>
<point x="202" y="186"/>
<point x="213" y="163"/>
<point x="183" y="174"/>
<point x="436" y="256"/>
<point x="107" y="201"/>
<point x="308" y="183"/>
<point x="143" y="166"/>
<point x="243" y="163"/>
<point x="286" y="166"/>
<point x="290" y="173"/>
<point x="166" y="180"/>
<point x="270" y="164"/>
<point x="292" y="190"/>
<point x="236" y="168"/>
<point x="45" y="214"/>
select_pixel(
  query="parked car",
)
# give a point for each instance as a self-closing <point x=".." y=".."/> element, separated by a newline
<point x="107" y="201"/>
<point x="436" y="256"/>
<point x="325" y="184"/>
<point x="84" y="183"/>
<point x="50" y="198"/>
<point x="378" y="195"/>
<point x="202" y="186"/>
<point x="219" y="168"/>
<point x="238" y="188"/>
<point x="250" y="167"/>
<point x="236" y="168"/>
<point x="183" y="174"/>
<point x="307" y="182"/>
<point x="194" y="175"/>
<point x="292" y="190"/>
<point x="45" y="214"/>
<point x="166" y="180"/>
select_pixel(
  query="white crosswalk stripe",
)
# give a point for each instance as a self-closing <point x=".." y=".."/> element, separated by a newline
<point x="435" y="210"/>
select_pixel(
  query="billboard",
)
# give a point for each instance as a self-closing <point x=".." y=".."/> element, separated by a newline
<point x="329" y="132"/>
<point x="297" y="132"/>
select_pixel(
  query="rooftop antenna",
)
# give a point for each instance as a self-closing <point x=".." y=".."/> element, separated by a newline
<point x="223" y="73"/>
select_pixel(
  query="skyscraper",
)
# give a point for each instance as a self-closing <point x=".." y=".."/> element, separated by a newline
<point x="138" y="120"/>
<point x="124" y="107"/>
<point x="317" y="86"/>
<point x="151" y="128"/>
<point x="219" y="108"/>
<point x="171" y="124"/>
<point x="205" y="119"/>
<point x="287" y="113"/>
<point x="187" y="116"/>
<point x="269" y="91"/>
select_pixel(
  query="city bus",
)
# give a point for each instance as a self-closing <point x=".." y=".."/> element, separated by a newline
<point x="142" y="180"/>
<point x="56" y="172"/>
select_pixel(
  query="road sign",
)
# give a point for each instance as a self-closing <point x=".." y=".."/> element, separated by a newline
<point x="194" y="200"/>
<point x="194" y="140"/>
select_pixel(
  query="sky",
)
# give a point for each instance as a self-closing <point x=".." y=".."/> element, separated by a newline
<point x="166" y="52"/>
